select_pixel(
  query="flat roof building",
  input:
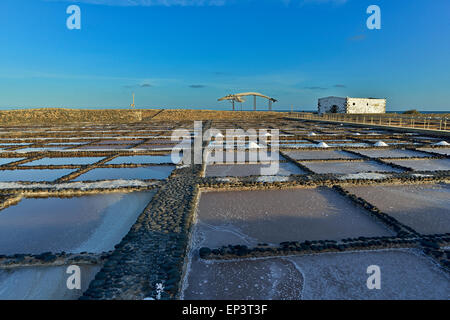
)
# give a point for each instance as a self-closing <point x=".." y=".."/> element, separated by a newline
<point x="351" y="105"/>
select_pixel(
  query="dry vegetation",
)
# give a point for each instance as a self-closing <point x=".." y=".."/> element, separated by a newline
<point x="60" y="116"/>
<point x="183" y="114"/>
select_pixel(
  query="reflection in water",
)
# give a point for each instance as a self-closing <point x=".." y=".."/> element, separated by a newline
<point x="93" y="223"/>
<point x="141" y="173"/>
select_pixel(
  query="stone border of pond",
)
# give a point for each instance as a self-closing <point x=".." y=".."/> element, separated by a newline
<point x="52" y="259"/>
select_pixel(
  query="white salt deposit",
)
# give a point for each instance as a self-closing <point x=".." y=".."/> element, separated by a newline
<point x="365" y="175"/>
<point x="272" y="179"/>
<point x="323" y="145"/>
<point x="380" y="144"/>
<point x="253" y="145"/>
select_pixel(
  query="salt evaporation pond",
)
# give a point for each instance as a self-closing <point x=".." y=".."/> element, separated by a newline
<point x="63" y="161"/>
<point x="405" y="274"/>
<point x="39" y="149"/>
<point x="105" y="147"/>
<point x="140" y="173"/>
<point x="111" y="142"/>
<point x="320" y="155"/>
<point x="43" y="283"/>
<point x="424" y="208"/>
<point x="327" y="276"/>
<point x="393" y="153"/>
<point x="158" y="141"/>
<point x="243" y="156"/>
<point x="243" y="170"/>
<point x="141" y="159"/>
<point x="425" y="165"/>
<point x="445" y="151"/>
<point x="9" y="160"/>
<point x="348" y="167"/>
<point x="92" y="223"/>
<point x="274" y="216"/>
<point x="158" y="147"/>
<point x="33" y="174"/>
<point x="265" y="279"/>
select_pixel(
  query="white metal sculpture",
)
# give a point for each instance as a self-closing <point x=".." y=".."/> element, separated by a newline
<point x="239" y="97"/>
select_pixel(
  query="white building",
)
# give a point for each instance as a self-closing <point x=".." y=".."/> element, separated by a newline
<point x="351" y="105"/>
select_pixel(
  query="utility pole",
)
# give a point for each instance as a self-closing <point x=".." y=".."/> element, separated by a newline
<point x="132" y="105"/>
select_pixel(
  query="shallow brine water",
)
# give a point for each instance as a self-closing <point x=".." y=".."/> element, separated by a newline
<point x="274" y="216"/>
<point x="156" y="146"/>
<point x="348" y="167"/>
<point x="393" y="153"/>
<point x="63" y="161"/>
<point x="140" y="173"/>
<point x="93" y="223"/>
<point x="321" y="155"/>
<point x="40" y="149"/>
<point x="244" y="170"/>
<point x="9" y="160"/>
<point x="243" y="156"/>
<point x="141" y="159"/>
<point x="425" y="165"/>
<point x="405" y="274"/>
<point x="105" y="147"/>
<point x="445" y="151"/>
<point x="47" y="175"/>
<point x="112" y="142"/>
<point x="424" y="208"/>
<point x="43" y="283"/>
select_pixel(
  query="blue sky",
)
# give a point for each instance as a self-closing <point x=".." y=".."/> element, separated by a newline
<point x="188" y="53"/>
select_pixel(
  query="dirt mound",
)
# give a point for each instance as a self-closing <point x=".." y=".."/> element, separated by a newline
<point x="59" y="116"/>
<point x="183" y="114"/>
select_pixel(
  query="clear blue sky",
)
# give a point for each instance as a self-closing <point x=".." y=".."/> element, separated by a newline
<point x="188" y="53"/>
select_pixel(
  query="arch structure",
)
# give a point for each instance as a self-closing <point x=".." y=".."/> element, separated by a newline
<point x="239" y="97"/>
